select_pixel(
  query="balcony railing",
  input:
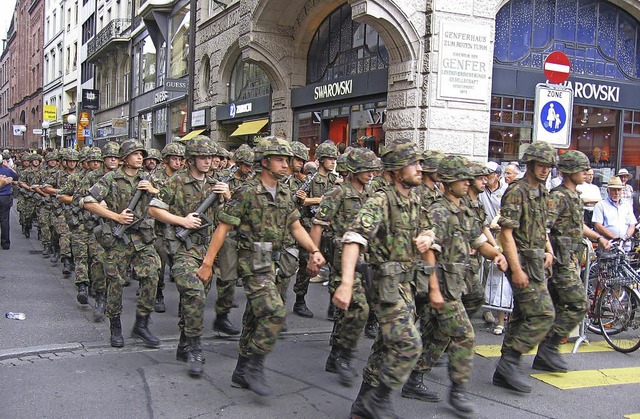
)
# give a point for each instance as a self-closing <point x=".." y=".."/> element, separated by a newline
<point x="117" y="29"/>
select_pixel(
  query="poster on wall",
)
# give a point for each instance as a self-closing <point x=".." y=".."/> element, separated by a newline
<point x="465" y="62"/>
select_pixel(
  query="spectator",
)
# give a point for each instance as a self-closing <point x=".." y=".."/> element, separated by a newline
<point x="6" y="201"/>
<point x="627" y="190"/>
<point x="611" y="217"/>
<point x="511" y="172"/>
<point x="590" y="195"/>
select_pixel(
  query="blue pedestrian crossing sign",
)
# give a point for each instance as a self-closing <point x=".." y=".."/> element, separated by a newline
<point x="553" y="113"/>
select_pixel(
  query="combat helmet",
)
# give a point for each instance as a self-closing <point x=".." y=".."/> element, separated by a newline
<point x="273" y="146"/>
<point x="573" y="161"/>
<point x="540" y="152"/>
<point x="93" y="154"/>
<point x="154" y="153"/>
<point x="430" y="160"/>
<point x="111" y="149"/>
<point x="71" y="155"/>
<point x="362" y="160"/>
<point x="478" y="169"/>
<point x="341" y="162"/>
<point x="52" y="155"/>
<point x="244" y="155"/>
<point x="454" y="168"/>
<point x="130" y="146"/>
<point x="200" y="145"/>
<point x="300" y="150"/>
<point x="327" y="150"/>
<point x="173" y="149"/>
<point x="399" y="153"/>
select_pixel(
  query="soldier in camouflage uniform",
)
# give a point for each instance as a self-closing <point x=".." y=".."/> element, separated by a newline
<point x="45" y="204"/>
<point x="176" y="204"/>
<point x="153" y="159"/>
<point x="327" y="154"/>
<point x="388" y="226"/>
<point x="566" y="230"/>
<point x="430" y="190"/>
<point x="523" y="223"/>
<point x="134" y="247"/>
<point x="336" y="212"/>
<point x="19" y="192"/>
<point x="172" y="157"/>
<point x="32" y="199"/>
<point x="264" y="213"/>
<point x="444" y="322"/>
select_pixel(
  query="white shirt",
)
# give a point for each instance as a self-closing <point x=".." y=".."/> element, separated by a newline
<point x="589" y="192"/>
<point x="615" y="218"/>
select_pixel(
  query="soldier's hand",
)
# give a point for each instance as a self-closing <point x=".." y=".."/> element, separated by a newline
<point x="435" y="298"/>
<point x="548" y="260"/>
<point x="302" y="195"/>
<point x="317" y="259"/>
<point x="519" y="279"/>
<point x="342" y="297"/>
<point x="192" y="221"/>
<point x="501" y="262"/>
<point x="204" y="273"/>
<point x="424" y="242"/>
<point x="221" y="188"/>
<point x="125" y="217"/>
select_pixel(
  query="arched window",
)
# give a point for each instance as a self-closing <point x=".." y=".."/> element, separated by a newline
<point x="342" y="47"/>
<point x="601" y="39"/>
<point x="248" y="81"/>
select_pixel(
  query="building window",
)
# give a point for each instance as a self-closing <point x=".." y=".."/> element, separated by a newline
<point x="87" y="29"/>
<point x="86" y="71"/>
<point x="342" y="47"/>
<point x="601" y="39"/>
<point x="248" y="81"/>
<point x="162" y="64"/>
<point x="148" y="65"/>
<point x="179" y="51"/>
<point x="125" y="86"/>
<point x="511" y="127"/>
<point x="107" y="93"/>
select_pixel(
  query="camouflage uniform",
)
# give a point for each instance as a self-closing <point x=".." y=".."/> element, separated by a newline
<point x="135" y="248"/>
<point x="45" y="209"/>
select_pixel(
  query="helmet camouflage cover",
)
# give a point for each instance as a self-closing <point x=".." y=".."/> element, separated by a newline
<point x="71" y="154"/>
<point x="327" y="150"/>
<point x="244" y="155"/>
<point x="300" y="150"/>
<point x="341" y="163"/>
<point x="362" y="160"/>
<point x="111" y="149"/>
<point x="201" y="145"/>
<point x="52" y="155"/>
<point x="478" y="169"/>
<point x="540" y="152"/>
<point x="430" y="160"/>
<point x="273" y="146"/>
<point x="454" y="168"/>
<point x="399" y="153"/>
<point x="573" y="161"/>
<point x="93" y="154"/>
<point x="130" y="146"/>
<point x="153" y="153"/>
<point x="173" y="149"/>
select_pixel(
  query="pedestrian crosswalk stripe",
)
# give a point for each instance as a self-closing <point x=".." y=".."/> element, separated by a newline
<point x="490" y="351"/>
<point x="632" y="416"/>
<point x="591" y="378"/>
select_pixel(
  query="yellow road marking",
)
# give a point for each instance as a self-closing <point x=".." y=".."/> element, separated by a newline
<point x="490" y="351"/>
<point x="591" y="378"/>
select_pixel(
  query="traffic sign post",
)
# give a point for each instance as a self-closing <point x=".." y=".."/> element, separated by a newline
<point x="557" y="67"/>
<point x="553" y="115"/>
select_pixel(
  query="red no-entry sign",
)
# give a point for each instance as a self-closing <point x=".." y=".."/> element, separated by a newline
<point x="557" y="67"/>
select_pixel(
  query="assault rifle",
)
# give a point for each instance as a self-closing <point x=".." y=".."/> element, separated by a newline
<point x="366" y="270"/>
<point x="119" y="230"/>
<point x="183" y="233"/>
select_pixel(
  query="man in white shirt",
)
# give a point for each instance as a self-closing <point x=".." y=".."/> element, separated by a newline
<point x="611" y="217"/>
<point x="590" y="195"/>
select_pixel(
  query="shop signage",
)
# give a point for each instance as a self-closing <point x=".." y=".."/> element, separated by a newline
<point x="199" y="118"/>
<point x="175" y="85"/>
<point x="553" y="115"/>
<point x="49" y="112"/>
<point x="332" y="90"/>
<point x="239" y="109"/>
<point x="465" y="59"/>
<point x="91" y="99"/>
<point x="595" y="91"/>
<point x="160" y="97"/>
<point x="365" y="84"/>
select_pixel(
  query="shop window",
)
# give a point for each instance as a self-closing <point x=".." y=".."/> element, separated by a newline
<point x="342" y="47"/>
<point x="179" y="51"/>
<point x="594" y="132"/>
<point x="511" y="127"/>
<point x="148" y="65"/>
<point x="248" y="81"/>
<point x="601" y="39"/>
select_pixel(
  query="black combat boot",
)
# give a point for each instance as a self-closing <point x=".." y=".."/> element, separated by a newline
<point x="548" y="357"/>
<point x="254" y="376"/>
<point x="158" y="305"/>
<point x="141" y="331"/>
<point x="27" y="231"/>
<point x="357" y="408"/>
<point x="45" y="252"/>
<point x="372" y="327"/>
<point x="117" y="341"/>
<point x="509" y="375"/>
<point x="222" y="324"/>
<point x="238" y="379"/>
<point x="194" y="356"/>
<point x="330" y="365"/>
<point x="98" y="310"/>
<point x="55" y="255"/>
<point x="458" y="400"/>
<point x="181" y="352"/>
<point x="300" y="307"/>
<point x="377" y="403"/>
<point x="415" y="388"/>
<point x="83" y="295"/>
<point x="66" y="265"/>
<point x="344" y="369"/>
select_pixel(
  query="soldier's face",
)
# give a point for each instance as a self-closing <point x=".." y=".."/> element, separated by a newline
<point x="174" y="162"/>
<point x="134" y="160"/>
<point x="72" y="164"/>
<point x="278" y="164"/>
<point x="459" y="188"/>
<point x="53" y="163"/>
<point x="365" y="177"/>
<point x="297" y="164"/>
<point x="244" y="170"/>
<point x="94" y="164"/>
<point x="150" y="164"/>
<point x="35" y="163"/>
<point x="480" y="184"/>
<point x="578" y="178"/>
<point x="203" y="163"/>
<point x="111" y="162"/>
<point x="412" y="174"/>
<point x="329" y="164"/>
<point x="541" y="172"/>
<point x="215" y="163"/>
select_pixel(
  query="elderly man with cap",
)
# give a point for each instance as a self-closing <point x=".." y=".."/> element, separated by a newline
<point x="627" y="190"/>
<point x="611" y="217"/>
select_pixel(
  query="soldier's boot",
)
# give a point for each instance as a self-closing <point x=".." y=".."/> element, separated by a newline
<point x="98" y="310"/>
<point x="55" y="255"/>
<point x="254" y="376"/>
<point x="372" y="327"/>
<point x="66" y="265"/>
<point x="378" y="404"/>
<point x="459" y="401"/>
<point x="45" y="252"/>
<point x="238" y="378"/>
<point x="548" y="357"/>
<point x="345" y="370"/>
<point x="158" y="305"/>
<point x="331" y="311"/>
<point x="83" y="294"/>
<point x="181" y="352"/>
<point x="509" y="374"/>
<point x="415" y="388"/>
<point x="141" y="331"/>
<point x="300" y="307"/>
<point x="222" y="324"/>
<point x="357" y="408"/>
<point x="330" y="365"/>
<point x="27" y="231"/>
<point x="194" y="356"/>
<point x="117" y="341"/>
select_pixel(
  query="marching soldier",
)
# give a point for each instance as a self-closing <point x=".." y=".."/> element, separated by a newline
<point x="45" y="207"/>
<point x="264" y="213"/>
<point x="132" y="241"/>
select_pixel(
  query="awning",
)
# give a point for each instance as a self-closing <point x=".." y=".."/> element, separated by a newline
<point x="192" y="134"/>
<point x="251" y="127"/>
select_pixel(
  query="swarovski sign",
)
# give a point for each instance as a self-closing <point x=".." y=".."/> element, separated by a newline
<point x="594" y="91"/>
<point x="330" y="90"/>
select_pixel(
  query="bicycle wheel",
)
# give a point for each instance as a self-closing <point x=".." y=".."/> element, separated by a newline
<point x="619" y="314"/>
